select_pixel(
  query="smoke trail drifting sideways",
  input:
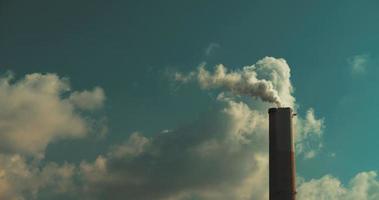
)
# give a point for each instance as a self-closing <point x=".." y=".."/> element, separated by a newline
<point x="268" y="80"/>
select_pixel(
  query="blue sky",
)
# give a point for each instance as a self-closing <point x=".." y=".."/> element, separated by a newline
<point x="130" y="48"/>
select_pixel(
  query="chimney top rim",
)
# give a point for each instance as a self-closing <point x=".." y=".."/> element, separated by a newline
<point x="275" y="109"/>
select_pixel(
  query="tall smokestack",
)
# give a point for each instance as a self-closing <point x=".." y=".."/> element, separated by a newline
<point x="282" y="161"/>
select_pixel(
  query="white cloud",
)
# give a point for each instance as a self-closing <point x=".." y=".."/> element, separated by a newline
<point x="88" y="100"/>
<point x="21" y="180"/>
<point x="223" y="156"/>
<point x="309" y="134"/>
<point x="134" y="146"/>
<point x="269" y="80"/>
<point x="211" y="48"/>
<point x="364" y="186"/>
<point x="166" y="131"/>
<point x="359" y="63"/>
<point x="34" y="112"/>
<point x="220" y="158"/>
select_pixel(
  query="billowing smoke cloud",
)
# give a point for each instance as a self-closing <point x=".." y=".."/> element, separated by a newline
<point x="223" y="157"/>
<point x="268" y="79"/>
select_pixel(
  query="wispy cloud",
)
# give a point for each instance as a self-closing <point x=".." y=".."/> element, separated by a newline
<point x="211" y="48"/>
<point x="359" y="63"/>
<point x="309" y="135"/>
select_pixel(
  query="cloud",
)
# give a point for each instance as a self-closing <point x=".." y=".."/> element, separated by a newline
<point x="364" y="186"/>
<point x="359" y="63"/>
<point x="88" y="100"/>
<point x="35" y="112"/>
<point x="135" y="146"/>
<point x="309" y="134"/>
<point x="21" y="180"/>
<point x="211" y="48"/>
<point x="268" y="80"/>
<point x="222" y="157"/>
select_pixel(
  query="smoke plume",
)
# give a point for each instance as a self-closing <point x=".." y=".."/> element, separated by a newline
<point x="268" y="80"/>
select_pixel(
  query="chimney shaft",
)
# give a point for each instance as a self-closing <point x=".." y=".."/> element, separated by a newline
<point x="282" y="161"/>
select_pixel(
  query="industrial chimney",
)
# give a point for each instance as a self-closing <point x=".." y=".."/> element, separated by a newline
<point x="282" y="161"/>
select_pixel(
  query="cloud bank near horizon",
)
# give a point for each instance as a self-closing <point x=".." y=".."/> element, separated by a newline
<point x="223" y="155"/>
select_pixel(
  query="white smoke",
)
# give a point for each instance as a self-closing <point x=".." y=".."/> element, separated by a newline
<point x="268" y="80"/>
